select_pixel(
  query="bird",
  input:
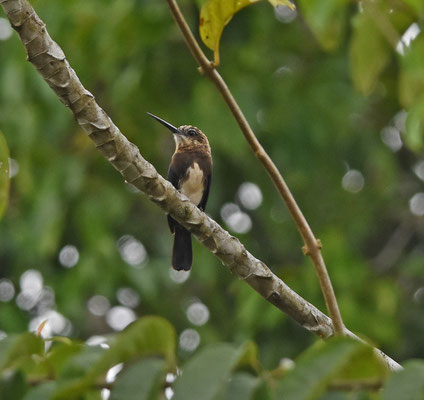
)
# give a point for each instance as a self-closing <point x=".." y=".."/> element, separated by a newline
<point x="190" y="171"/>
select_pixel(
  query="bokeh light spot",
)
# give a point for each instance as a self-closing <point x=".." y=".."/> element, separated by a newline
<point x="132" y="251"/>
<point x="68" y="256"/>
<point x="250" y="195"/>
<point x="237" y="220"/>
<point x="391" y="138"/>
<point x="189" y="340"/>
<point x="7" y="290"/>
<point x="128" y="297"/>
<point x="284" y="14"/>
<point x="5" y="29"/>
<point x="416" y="204"/>
<point x="98" y="305"/>
<point x="178" y="276"/>
<point x="198" y="313"/>
<point x="56" y="324"/>
<point x="119" y="317"/>
<point x="353" y="181"/>
<point x="419" y="169"/>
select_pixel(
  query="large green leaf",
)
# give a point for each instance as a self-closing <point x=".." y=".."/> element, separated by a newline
<point x="140" y="381"/>
<point x="241" y="386"/>
<point x="407" y="384"/>
<point x="367" y="57"/>
<point x="206" y="374"/>
<point x="4" y="174"/>
<point x="41" y="392"/>
<point x="336" y="358"/>
<point x="411" y="83"/>
<point x="215" y="14"/>
<point x="16" y="350"/>
<point x="327" y="19"/>
<point x="147" y="337"/>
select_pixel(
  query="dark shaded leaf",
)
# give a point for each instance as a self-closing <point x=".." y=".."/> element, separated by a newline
<point x="241" y="386"/>
<point x="41" y="392"/>
<point x="411" y="83"/>
<point x="13" y="386"/>
<point x="407" y="384"/>
<point x="327" y="19"/>
<point x="206" y="374"/>
<point x="140" y="381"/>
<point x="367" y="57"/>
<point x="317" y="366"/>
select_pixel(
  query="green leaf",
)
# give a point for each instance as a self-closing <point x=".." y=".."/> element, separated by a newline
<point x="147" y="337"/>
<point x="140" y="381"/>
<point x="318" y="366"/>
<point x="414" y="132"/>
<point x="13" y="386"/>
<point x="4" y="174"/>
<point x="206" y="374"/>
<point x="367" y="57"/>
<point x="216" y="14"/>
<point x="241" y="386"/>
<point x="77" y="365"/>
<point x="327" y="19"/>
<point x="407" y="384"/>
<point x="41" y="392"/>
<point x="15" y="350"/>
<point x="411" y="83"/>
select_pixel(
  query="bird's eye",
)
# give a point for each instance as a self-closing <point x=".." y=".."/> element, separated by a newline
<point x="191" y="132"/>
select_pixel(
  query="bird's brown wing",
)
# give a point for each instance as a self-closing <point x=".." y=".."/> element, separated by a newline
<point x="174" y="179"/>
<point x="202" y="204"/>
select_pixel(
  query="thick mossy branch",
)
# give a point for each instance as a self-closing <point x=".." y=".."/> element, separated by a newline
<point x="50" y="61"/>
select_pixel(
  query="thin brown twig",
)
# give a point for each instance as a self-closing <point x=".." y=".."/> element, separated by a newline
<point x="312" y="246"/>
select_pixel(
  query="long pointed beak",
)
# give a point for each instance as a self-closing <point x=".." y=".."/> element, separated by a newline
<point x="172" y="128"/>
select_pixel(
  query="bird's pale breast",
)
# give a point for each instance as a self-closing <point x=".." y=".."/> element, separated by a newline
<point x="192" y="184"/>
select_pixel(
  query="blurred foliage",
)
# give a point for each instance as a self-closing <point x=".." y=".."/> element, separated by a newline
<point x="4" y="174"/>
<point x="301" y="100"/>
<point x="219" y="371"/>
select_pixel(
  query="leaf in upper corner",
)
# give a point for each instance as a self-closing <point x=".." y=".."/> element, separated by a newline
<point x="326" y="19"/>
<point x="216" y="14"/>
<point x="367" y="57"/>
<point x="4" y="174"/>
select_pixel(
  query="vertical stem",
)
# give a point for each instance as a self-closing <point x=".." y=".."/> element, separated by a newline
<point x="312" y="246"/>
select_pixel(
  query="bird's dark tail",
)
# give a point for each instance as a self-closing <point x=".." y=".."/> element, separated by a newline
<point x="182" y="254"/>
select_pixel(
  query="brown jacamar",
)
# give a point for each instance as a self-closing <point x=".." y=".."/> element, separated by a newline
<point x="190" y="172"/>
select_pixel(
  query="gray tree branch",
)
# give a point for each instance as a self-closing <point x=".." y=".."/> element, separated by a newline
<point x="49" y="59"/>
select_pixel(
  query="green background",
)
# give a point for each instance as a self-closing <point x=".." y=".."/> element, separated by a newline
<point x="304" y="106"/>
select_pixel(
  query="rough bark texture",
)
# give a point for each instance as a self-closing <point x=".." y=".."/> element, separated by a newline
<point x="51" y="63"/>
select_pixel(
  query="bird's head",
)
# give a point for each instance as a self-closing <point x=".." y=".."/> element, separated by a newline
<point x="187" y="137"/>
